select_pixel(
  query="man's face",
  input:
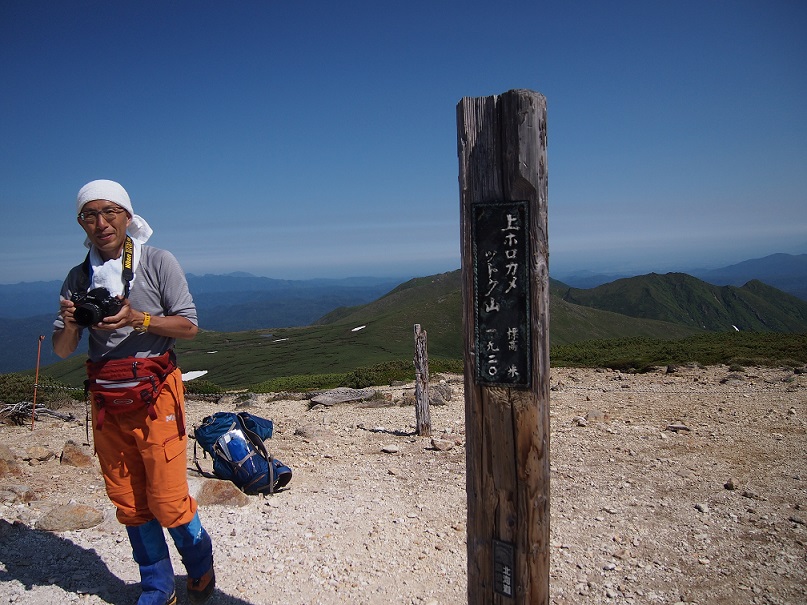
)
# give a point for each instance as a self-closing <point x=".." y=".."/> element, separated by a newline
<point x="105" y="230"/>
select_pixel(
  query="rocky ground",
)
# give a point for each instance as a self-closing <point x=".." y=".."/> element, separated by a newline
<point x="683" y="486"/>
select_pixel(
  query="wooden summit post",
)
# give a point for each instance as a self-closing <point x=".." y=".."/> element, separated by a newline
<point x="505" y="284"/>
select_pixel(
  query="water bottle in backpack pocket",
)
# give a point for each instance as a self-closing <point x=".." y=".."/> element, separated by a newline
<point x="240" y="462"/>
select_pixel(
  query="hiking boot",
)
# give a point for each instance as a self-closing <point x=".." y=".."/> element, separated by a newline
<point x="172" y="600"/>
<point x="200" y="589"/>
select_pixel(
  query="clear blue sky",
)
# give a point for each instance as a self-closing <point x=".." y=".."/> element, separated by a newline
<point x="318" y="138"/>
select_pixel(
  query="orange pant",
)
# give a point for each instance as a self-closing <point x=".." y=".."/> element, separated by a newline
<point x="144" y="461"/>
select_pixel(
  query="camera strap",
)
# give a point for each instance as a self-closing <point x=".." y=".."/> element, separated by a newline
<point x="127" y="273"/>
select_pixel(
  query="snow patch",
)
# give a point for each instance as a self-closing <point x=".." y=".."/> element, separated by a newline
<point x="186" y="376"/>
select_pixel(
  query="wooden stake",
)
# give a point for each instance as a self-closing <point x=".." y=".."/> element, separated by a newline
<point x="422" y="412"/>
<point x="36" y="379"/>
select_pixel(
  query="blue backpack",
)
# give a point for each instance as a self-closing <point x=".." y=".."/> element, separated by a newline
<point x="235" y="443"/>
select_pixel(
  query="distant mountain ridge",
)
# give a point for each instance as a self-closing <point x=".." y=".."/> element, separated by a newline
<point x="655" y="306"/>
<point x="786" y="272"/>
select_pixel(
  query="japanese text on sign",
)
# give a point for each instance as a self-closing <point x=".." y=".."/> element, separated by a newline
<point x="503" y="564"/>
<point x="502" y="293"/>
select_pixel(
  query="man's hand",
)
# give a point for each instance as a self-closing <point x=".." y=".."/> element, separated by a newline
<point x="123" y="318"/>
<point x="66" y="339"/>
<point x="66" y="309"/>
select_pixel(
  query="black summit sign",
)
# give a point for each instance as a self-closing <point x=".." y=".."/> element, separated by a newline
<point x="502" y="293"/>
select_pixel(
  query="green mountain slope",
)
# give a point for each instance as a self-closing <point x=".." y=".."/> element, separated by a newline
<point x="436" y="303"/>
<point x="685" y="300"/>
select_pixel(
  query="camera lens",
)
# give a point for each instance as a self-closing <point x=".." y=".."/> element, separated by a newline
<point x="87" y="314"/>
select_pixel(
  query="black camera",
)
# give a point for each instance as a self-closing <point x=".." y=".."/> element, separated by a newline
<point x="93" y="306"/>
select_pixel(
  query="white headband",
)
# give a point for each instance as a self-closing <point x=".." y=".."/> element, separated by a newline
<point x="113" y="192"/>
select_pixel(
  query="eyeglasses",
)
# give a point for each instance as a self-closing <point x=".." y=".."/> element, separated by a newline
<point x="90" y="217"/>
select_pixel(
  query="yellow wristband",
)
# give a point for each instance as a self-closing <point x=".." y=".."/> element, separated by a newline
<point x="146" y="322"/>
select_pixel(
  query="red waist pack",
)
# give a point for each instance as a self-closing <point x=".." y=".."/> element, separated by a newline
<point x="124" y="385"/>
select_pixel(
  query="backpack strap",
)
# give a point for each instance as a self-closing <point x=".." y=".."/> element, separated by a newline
<point x="195" y="454"/>
<point x="261" y="447"/>
<point x="84" y="279"/>
<point x="199" y="468"/>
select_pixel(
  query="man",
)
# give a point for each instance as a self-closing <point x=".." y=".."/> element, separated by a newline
<point x="140" y="439"/>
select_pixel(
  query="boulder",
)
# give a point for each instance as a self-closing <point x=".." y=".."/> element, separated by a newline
<point x="217" y="492"/>
<point x="70" y="517"/>
<point x="76" y="455"/>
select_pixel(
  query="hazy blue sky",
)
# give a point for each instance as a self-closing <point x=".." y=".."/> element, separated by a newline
<point x="317" y="138"/>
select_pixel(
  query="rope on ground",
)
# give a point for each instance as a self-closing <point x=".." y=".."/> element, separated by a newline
<point x="61" y="388"/>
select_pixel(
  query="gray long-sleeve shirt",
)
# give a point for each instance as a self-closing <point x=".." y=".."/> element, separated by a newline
<point x="159" y="288"/>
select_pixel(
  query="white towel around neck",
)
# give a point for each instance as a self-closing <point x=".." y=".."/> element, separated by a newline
<point x="109" y="274"/>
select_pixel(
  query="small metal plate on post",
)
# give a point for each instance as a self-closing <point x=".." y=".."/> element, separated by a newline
<point x="503" y="568"/>
<point x="501" y="254"/>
